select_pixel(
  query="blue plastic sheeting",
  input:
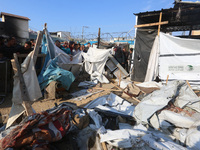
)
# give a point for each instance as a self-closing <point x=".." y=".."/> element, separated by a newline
<point x="55" y="73"/>
<point x="52" y="72"/>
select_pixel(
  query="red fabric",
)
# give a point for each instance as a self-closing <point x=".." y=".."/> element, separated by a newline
<point x="43" y="133"/>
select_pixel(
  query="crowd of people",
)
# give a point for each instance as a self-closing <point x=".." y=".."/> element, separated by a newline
<point x="124" y="57"/>
<point x="72" y="48"/>
<point x="10" y="46"/>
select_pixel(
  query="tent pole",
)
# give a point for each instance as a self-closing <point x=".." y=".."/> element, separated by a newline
<point x="160" y="19"/>
<point x="37" y="46"/>
<point x="99" y="37"/>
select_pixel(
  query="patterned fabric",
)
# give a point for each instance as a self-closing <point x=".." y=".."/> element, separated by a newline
<point x="39" y="130"/>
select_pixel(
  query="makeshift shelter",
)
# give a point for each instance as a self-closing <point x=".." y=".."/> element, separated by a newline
<point x="182" y="17"/>
<point x="174" y="57"/>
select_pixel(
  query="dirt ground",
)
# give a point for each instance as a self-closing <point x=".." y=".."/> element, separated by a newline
<point x="45" y="104"/>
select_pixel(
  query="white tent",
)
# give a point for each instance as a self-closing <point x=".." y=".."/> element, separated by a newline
<point x="177" y="57"/>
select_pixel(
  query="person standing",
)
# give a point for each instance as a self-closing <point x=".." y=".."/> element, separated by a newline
<point x="119" y="55"/>
<point x="66" y="48"/>
<point x="125" y="59"/>
<point x="130" y="59"/>
<point x="86" y="48"/>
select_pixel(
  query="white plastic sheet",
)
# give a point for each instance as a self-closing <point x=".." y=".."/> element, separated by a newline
<point x="176" y="57"/>
<point x="112" y="103"/>
<point x="155" y="101"/>
<point x="95" y="60"/>
<point x="32" y="85"/>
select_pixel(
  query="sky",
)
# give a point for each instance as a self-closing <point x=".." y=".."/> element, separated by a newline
<point x="64" y="15"/>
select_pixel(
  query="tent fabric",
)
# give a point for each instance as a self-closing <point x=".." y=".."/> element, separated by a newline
<point x="55" y="73"/>
<point x="55" y="58"/>
<point x="32" y="85"/>
<point x="95" y="60"/>
<point x="143" y="46"/>
<point x="176" y="57"/>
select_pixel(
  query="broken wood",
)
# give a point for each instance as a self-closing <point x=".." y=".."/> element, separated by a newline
<point x="104" y="146"/>
<point x="116" y="86"/>
<point x="151" y="24"/>
<point x="167" y="79"/>
<point x="188" y="84"/>
<point x="96" y="88"/>
<point x="137" y="100"/>
<point x="24" y="92"/>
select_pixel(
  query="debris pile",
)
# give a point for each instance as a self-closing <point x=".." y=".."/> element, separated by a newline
<point x="167" y="118"/>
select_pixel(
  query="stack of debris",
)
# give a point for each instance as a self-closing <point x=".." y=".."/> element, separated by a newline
<point x="166" y="117"/>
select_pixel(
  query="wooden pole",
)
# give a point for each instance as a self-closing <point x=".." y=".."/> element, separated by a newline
<point x="24" y="92"/>
<point x="160" y="19"/>
<point x="167" y="79"/>
<point x="151" y="24"/>
<point x="37" y="46"/>
<point x="188" y="84"/>
<point x="99" y="37"/>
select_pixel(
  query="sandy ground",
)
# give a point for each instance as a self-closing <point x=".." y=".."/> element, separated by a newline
<point x="45" y="104"/>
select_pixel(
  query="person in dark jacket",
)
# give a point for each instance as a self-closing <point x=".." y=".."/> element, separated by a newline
<point x="126" y="53"/>
<point x="26" y="49"/>
<point x="119" y="55"/>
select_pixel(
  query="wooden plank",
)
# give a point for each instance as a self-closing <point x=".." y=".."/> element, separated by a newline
<point x="160" y="19"/>
<point x="104" y="146"/>
<point x="115" y="86"/>
<point x="167" y="79"/>
<point x="99" y="38"/>
<point x="96" y="88"/>
<point x="24" y="92"/>
<point x="151" y="24"/>
<point x="188" y="84"/>
<point x="37" y="46"/>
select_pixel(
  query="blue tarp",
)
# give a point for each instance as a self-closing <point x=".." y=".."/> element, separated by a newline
<point x="55" y="73"/>
<point x="51" y="71"/>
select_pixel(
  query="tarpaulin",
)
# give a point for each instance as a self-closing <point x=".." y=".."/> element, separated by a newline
<point x="176" y="57"/>
<point x="95" y="60"/>
<point x="55" y="57"/>
<point x="32" y="85"/>
<point x="55" y="73"/>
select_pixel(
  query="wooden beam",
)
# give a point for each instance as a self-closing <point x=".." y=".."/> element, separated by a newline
<point x="151" y="24"/>
<point x="24" y="92"/>
<point x="188" y="84"/>
<point x="97" y="88"/>
<point x="160" y="19"/>
<point x="37" y="46"/>
<point x="99" y="33"/>
<point x="167" y="79"/>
